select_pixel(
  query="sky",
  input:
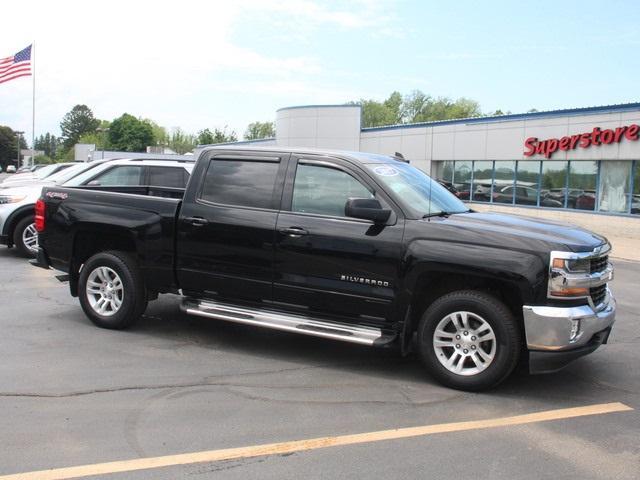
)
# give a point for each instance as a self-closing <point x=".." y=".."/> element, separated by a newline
<point x="207" y="64"/>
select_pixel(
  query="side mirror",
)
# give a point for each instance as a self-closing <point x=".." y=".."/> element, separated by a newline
<point x="367" y="209"/>
<point x="93" y="183"/>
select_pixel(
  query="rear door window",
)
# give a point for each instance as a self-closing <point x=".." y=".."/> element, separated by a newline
<point x="119" y="176"/>
<point x="174" y="177"/>
<point x="244" y="183"/>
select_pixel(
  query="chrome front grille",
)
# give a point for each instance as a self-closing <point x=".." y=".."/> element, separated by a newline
<point x="598" y="294"/>
<point x="599" y="264"/>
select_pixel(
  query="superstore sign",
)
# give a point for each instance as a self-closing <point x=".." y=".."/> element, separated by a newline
<point x="595" y="137"/>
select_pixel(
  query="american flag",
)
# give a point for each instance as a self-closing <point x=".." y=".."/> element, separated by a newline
<point x="16" y="66"/>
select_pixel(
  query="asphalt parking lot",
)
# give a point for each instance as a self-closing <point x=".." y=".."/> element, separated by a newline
<point x="72" y="394"/>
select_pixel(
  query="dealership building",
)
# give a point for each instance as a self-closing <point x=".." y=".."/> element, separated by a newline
<point x="578" y="165"/>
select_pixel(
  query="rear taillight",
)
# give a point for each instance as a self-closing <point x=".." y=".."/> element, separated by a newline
<point x="40" y="211"/>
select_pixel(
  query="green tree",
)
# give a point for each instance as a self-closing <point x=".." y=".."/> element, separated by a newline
<point x="130" y="134"/>
<point x="205" y="137"/>
<point x="257" y="130"/>
<point x="9" y="146"/>
<point x="159" y="133"/>
<point x="99" y="139"/>
<point x="48" y="143"/>
<point x="77" y="122"/>
<point x="375" y="114"/>
<point x="41" y="159"/>
<point x="394" y="106"/>
<point x="222" y="136"/>
<point x="179" y="141"/>
<point x="415" y="107"/>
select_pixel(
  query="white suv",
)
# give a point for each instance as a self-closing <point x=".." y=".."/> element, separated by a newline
<point x="17" y="202"/>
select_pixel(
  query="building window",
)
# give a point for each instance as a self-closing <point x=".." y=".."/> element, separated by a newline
<point x="527" y="182"/>
<point x="462" y="179"/>
<point x="607" y="186"/>
<point x="482" y="178"/>
<point x="444" y="171"/>
<point x="614" y="186"/>
<point x="582" y="185"/>
<point x="553" y="184"/>
<point x="635" y="199"/>
<point x="504" y="182"/>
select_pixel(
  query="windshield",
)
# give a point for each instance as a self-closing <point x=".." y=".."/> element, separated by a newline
<point x="68" y="173"/>
<point x="81" y="178"/>
<point x="46" y="171"/>
<point x="416" y="189"/>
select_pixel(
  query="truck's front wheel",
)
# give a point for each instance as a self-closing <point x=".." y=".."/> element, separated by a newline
<point x="469" y="340"/>
<point x="111" y="290"/>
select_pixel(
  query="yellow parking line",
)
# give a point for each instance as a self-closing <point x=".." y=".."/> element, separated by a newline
<point x="310" y="444"/>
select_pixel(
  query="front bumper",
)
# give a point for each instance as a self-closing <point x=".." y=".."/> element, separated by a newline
<point x="557" y="335"/>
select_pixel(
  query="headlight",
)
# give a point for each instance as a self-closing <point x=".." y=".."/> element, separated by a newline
<point x="11" y="198"/>
<point x="565" y="273"/>
<point x="577" y="265"/>
<point x="573" y="275"/>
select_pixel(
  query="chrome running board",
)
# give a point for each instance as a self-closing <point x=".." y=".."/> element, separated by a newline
<point x="286" y="322"/>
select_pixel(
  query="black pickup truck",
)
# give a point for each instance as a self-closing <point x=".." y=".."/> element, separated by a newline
<point x="343" y="245"/>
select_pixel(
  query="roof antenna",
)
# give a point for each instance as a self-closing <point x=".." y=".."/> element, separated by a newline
<point x="398" y="156"/>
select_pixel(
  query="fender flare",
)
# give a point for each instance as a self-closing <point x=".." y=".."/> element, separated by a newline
<point x="409" y="324"/>
<point x="14" y="217"/>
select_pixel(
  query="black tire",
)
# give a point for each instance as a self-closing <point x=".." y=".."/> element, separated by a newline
<point x="492" y="311"/>
<point x="134" y="300"/>
<point x="17" y="237"/>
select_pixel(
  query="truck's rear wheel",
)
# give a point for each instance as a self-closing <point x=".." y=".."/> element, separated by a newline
<point x="469" y="340"/>
<point x="25" y="237"/>
<point x="111" y="290"/>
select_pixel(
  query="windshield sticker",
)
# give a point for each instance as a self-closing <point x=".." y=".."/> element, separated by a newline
<point x="385" y="171"/>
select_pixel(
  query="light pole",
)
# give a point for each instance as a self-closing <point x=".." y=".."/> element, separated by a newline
<point x="18" y="138"/>
<point x="104" y="139"/>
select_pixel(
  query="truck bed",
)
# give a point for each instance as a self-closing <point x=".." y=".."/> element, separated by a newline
<point x="141" y="217"/>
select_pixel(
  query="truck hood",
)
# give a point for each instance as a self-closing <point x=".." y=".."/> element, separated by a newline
<point x="518" y="232"/>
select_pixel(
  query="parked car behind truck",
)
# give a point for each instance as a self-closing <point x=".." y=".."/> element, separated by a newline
<point x="17" y="201"/>
<point x="348" y="246"/>
<point x="37" y="174"/>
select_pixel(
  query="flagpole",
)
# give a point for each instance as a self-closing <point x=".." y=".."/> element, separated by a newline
<point x="33" y="105"/>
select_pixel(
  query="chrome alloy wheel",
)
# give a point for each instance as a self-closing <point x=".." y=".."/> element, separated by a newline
<point x="105" y="291"/>
<point x="465" y="343"/>
<point x="30" y="238"/>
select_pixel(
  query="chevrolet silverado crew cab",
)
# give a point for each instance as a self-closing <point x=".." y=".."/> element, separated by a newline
<point x="347" y="246"/>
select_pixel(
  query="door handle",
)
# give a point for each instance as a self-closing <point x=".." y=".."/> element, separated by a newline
<point x="196" y="221"/>
<point x="294" y="231"/>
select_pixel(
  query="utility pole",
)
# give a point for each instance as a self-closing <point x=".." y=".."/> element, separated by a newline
<point x="18" y="138"/>
<point x="104" y="132"/>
